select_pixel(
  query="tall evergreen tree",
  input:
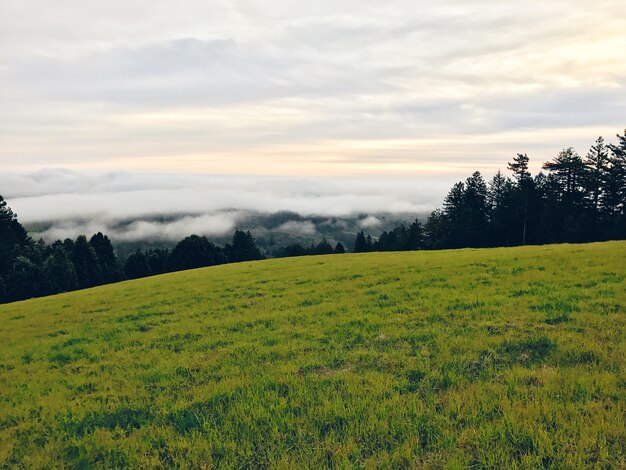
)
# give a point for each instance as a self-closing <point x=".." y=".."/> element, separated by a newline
<point x="195" y="252"/>
<point x="360" y="243"/>
<point x="500" y="197"/>
<point x="519" y="167"/>
<point x="111" y="271"/>
<point x="415" y="236"/>
<point x="339" y="248"/>
<point x="12" y="236"/>
<point x="597" y="163"/>
<point x="570" y="173"/>
<point x="157" y="260"/>
<point x="59" y="274"/>
<point x="465" y="211"/>
<point x="323" y="248"/>
<point x="616" y="177"/>
<point x="243" y="248"/>
<point x="476" y="208"/>
<point x="137" y="266"/>
<point x="435" y="230"/>
<point x="525" y="188"/>
<point x="291" y="250"/>
<point x="86" y="263"/>
<point x="24" y="280"/>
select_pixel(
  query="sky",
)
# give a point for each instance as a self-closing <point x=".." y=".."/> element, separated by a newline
<point x="323" y="89"/>
<point x="335" y="87"/>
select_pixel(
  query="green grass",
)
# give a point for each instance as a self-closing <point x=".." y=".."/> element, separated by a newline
<point x="499" y="358"/>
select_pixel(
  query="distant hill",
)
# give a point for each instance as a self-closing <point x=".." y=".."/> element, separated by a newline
<point x="491" y="358"/>
<point x="271" y="230"/>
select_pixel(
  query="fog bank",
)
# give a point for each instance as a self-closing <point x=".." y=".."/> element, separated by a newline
<point x="59" y="203"/>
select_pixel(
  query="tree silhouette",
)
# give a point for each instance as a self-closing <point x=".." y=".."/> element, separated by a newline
<point x="323" y="248"/>
<point x="59" y="274"/>
<point x="137" y="266"/>
<point x="360" y="243"/>
<point x="243" y="248"/>
<point x="597" y="164"/>
<point x="569" y="173"/>
<point x="24" y="280"/>
<point x="111" y="271"/>
<point x="616" y="177"/>
<point x="415" y="236"/>
<point x="519" y="167"/>
<point x="86" y="263"/>
<point x="12" y="236"/>
<point x="436" y="231"/>
<point x="195" y="252"/>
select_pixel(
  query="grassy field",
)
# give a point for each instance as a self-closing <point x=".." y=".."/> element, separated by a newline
<point x="499" y="358"/>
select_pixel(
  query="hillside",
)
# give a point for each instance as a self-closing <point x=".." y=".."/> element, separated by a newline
<point x="493" y="358"/>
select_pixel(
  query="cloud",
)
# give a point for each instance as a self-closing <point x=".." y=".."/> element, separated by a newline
<point x="172" y="230"/>
<point x="370" y="222"/>
<point x="305" y="228"/>
<point x="60" y="203"/>
<point x="327" y="88"/>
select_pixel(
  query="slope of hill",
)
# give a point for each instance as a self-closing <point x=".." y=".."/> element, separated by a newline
<point x="494" y="358"/>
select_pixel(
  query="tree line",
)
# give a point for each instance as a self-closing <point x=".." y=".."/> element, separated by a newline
<point x="33" y="269"/>
<point x="322" y="248"/>
<point x="574" y="199"/>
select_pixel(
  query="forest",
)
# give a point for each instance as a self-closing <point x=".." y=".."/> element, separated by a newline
<point x="574" y="199"/>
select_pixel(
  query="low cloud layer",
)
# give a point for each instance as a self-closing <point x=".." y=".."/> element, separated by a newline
<point x="216" y="224"/>
<point x="59" y="203"/>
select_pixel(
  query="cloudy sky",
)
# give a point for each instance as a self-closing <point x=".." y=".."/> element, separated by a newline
<point x="278" y="87"/>
<point x="341" y="88"/>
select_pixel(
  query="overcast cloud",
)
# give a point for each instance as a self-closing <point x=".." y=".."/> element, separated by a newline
<point x="119" y="116"/>
<point x="338" y="87"/>
<point x="135" y="206"/>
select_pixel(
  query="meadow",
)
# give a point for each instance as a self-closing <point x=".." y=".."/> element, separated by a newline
<point x="494" y="358"/>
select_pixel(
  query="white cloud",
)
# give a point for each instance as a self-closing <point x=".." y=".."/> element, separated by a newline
<point x="172" y="230"/>
<point x="305" y="228"/>
<point x="326" y="87"/>
<point x="370" y="222"/>
<point x="133" y="206"/>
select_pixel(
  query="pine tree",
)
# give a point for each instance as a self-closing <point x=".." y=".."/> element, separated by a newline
<point x="597" y="163"/>
<point x="195" y="252"/>
<point x="157" y="260"/>
<point x="12" y="236"/>
<point x="616" y="177"/>
<point x="519" y="167"/>
<point x="500" y="194"/>
<point x="570" y="172"/>
<point x="243" y="248"/>
<point x="323" y="248"/>
<point x="436" y="230"/>
<point x="59" y="274"/>
<point x="360" y="243"/>
<point x="415" y="236"/>
<point x="24" y="280"/>
<point x="86" y="263"/>
<point x="465" y="211"/>
<point x="111" y="271"/>
<point x="137" y="266"/>
<point x="525" y="190"/>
